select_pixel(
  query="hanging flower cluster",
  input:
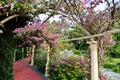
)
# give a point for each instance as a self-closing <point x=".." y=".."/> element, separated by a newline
<point x="108" y="41"/>
<point x="35" y="33"/>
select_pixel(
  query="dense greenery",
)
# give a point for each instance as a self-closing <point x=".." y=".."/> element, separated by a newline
<point x="114" y="64"/>
<point x="80" y="45"/>
<point x="40" y="60"/>
<point x="6" y="56"/>
<point x="69" y="69"/>
<point x="113" y="54"/>
<point x="114" y="51"/>
<point x="7" y="47"/>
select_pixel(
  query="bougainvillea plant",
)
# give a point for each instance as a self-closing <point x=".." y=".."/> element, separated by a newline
<point x="36" y="34"/>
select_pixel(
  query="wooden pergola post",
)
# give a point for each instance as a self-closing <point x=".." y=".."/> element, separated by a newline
<point x="33" y="53"/>
<point x="47" y="64"/>
<point x="94" y="60"/>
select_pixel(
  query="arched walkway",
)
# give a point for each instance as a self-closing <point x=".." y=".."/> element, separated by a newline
<point x="23" y="72"/>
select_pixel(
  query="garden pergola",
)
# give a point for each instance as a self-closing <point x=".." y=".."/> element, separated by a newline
<point x="93" y="50"/>
<point x="93" y="44"/>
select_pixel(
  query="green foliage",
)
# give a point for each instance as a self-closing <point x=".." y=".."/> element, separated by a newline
<point x="64" y="46"/>
<point x="79" y="44"/>
<point x="114" y="51"/>
<point x="116" y="68"/>
<point x="18" y="54"/>
<point x="40" y="64"/>
<point x="114" y="64"/>
<point x="6" y="56"/>
<point x="40" y="60"/>
<point x="68" y="70"/>
<point x="109" y="66"/>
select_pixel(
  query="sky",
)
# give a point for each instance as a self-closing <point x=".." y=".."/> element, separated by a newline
<point x="42" y="17"/>
<point x="100" y="7"/>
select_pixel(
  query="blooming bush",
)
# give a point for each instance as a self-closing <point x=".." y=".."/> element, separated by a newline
<point x="40" y="64"/>
<point x="105" y="77"/>
<point x="70" y="69"/>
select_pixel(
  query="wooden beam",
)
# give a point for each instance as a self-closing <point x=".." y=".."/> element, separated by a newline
<point x="3" y="6"/>
<point x="92" y="36"/>
<point x="58" y="5"/>
<point x="8" y="18"/>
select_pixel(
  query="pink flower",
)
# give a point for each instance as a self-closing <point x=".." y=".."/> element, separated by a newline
<point x="61" y="27"/>
<point x="37" y="24"/>
<point x="56" y="35"/>
<point x="45" y="24"/>
<point x="4" y="9"/>
<point x="46" y="32"/>
<point x="104" y="77"/>
<point x="17" y="30"/>
<point x="81" y="60"/>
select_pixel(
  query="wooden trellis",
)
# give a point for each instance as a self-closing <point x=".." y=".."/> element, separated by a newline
<point x="94" y="51"/>
<point x="91" y="36"/>
<point x="5" y="20"/>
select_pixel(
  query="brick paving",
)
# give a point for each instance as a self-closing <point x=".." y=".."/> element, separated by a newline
<point x="23" y="72"/>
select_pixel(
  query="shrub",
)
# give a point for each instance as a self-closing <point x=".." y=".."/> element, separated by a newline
<point x="18" y="54"/>
<point x="72" y="69"/>
<point x="117" y="68"/>
<point x="109" y="66"/>
<point x="40" y="64"/>
<point x="40" y="61"/>
<point x="6" y="56"/>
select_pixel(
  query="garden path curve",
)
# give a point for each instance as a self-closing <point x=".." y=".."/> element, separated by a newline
<point x="23" y="72"/>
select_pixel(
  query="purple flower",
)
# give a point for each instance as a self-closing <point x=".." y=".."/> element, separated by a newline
<point x="40" y="39"/>
<point x="81" y="61"/>
<point x="61" y="27"/>
<point x="17" y="30"/>
<point x="37" y="24"/>
<point x="104" y="77"/>
<point x="4" y="9"/>
<point x="9" y="2"/>
<point x="56" y="35"/>
<point x="46" y="24"/>
<point x="46" y="32"/>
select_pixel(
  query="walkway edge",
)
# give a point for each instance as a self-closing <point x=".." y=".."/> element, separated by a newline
<point x="44" y="78"/>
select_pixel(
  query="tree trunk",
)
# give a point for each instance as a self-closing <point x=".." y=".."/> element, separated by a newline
<point x="100" y="55"/>
<point x="33" y="53"/>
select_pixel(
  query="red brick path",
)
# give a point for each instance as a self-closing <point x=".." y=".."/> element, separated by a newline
<point x="23" y="72"/>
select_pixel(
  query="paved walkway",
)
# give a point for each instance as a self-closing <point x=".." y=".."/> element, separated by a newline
<point x="23" y="72"/>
